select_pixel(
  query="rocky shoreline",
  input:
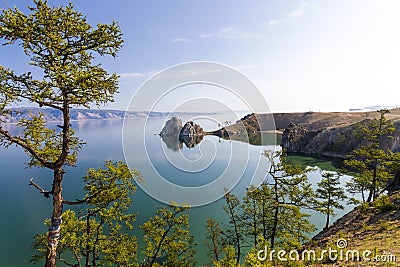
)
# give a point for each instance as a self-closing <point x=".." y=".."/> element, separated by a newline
<point x="331" y="142"/>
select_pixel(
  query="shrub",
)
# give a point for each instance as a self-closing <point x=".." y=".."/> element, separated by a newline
<point x="383" y="204"/>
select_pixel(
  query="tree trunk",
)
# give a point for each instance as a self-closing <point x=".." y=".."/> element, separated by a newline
<point x="264" y="223"/>
<point x="372" y="190"/>
<point x="255" y="222"/>
<point x="328" y="213"/>
<point x="327" y="218"/>
<point x="275" y="225"/>
<point x="51" y="259"/>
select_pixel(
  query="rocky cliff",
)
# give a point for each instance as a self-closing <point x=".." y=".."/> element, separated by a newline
<point x="337" y="142"/>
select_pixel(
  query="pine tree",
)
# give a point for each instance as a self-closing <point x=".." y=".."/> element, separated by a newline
<point x="257" y="211"/>
<point x="214" y="240"/>
<point x="370" y="161"/>
<point x="167" y="237"/>
<point x="234" y="233"/>
<point x="99" y="233"/>
<point x="329" y="193"/>
<point x="290" y="194"/>
<point x="229" y="259"/>
<point x="62" y="44"/>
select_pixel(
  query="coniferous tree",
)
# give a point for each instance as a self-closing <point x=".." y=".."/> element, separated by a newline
<point x="62" y="44"/>
<point x="329" y="194"/>
<point x="291" y="193"/>
<point x="229" y="259"/>
<point x="100" y="232"/>
<point x="234" y="233"/>
<point x="257" y="210"/>
<point x="394" y="168"/>
<point x="214" y="240"/>
<point x="371" y="160"/>
<point x="167" y="237"/>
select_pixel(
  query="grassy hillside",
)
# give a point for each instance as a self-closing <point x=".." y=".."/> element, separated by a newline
<point x="309" y="120"/>
<point x="374" y="228"/>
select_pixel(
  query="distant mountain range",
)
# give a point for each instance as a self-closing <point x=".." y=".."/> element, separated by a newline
<point x="85" y="114"/>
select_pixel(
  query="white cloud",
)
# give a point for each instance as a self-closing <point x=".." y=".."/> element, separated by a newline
<point x="130" y="75"/>
<point x="181" y="40"/>
<point x="230" y="33"/>
<point x="273" y="22"/>
<point x="296" y="14"/>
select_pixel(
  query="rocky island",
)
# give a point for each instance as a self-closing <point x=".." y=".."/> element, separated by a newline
<point x="174" y="134"/>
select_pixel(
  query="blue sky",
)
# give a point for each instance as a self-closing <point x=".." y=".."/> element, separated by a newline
<point x="302" y="55"/>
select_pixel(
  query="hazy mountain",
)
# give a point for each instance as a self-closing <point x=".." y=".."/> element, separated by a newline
<point x="83" y="114"/>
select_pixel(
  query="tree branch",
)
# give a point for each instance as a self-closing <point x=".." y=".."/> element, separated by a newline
<point x="18" y="141"/>
<point x="45" y="193"/>
<point x="80" y="201"/>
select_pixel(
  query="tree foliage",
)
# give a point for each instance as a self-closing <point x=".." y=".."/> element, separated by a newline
<point x="62" y="47"/>
<point x="271" y="215"/>
<point x="234" y="233"/>
<point x="167" y="237"/>
<point x="100" y="233"/>
<point x="291" y="193"/>
<point x="329" y="194"/>
<point x="371" y="160"/>
<point x="214" y="240"/>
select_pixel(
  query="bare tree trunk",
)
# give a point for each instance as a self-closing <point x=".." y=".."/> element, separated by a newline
<point x="276" y="213"/>
<point x="372" y="190"/>
<point x="255" y="222"/>
<point x="51" y="259"/>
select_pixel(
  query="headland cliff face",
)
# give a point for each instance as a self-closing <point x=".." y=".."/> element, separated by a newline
<point x="333" y="142"/>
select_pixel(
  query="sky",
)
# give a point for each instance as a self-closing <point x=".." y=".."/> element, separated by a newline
<point x="301" y="55"/>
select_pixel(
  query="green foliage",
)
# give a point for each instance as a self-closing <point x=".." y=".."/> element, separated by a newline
<point x="340" y="143"/>
<point x="253" y="256"/>
<point x="60" y="42"/>
<point x="370" y="162"/>
<point x="167" y="237"/>
<point x="273" y="213"/>
<point x="363" y="207"/>
<point x="99" y="233"/>
<point x="291" y="194"/>
<point x="257" y="213"/>
<point x="62" y="47"/>
<point x="234" y="233"/>
<point x="329" y="194"/>
<point x="229" y="259"/>
<point x="384" y="204"/>
<point x="214" y="240"/>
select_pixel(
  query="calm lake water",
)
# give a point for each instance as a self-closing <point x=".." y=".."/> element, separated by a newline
<point x="23" y="209"/>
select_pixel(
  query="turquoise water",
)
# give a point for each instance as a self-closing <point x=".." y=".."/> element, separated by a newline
<point x="23" y="209"/>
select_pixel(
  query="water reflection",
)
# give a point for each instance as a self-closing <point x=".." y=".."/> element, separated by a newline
<point x="175" y="142"/>
<point x="257" y="139"/>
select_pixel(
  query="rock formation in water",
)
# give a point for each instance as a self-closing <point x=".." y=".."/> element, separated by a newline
<point x="172" y="127"/>
<point x="174" y="135"/>
<point x="191" y="141"/>
<point x="191" y="129"/>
